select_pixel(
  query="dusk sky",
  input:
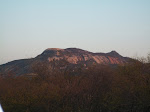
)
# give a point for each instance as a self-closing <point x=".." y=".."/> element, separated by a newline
<point x="28" y="27"/>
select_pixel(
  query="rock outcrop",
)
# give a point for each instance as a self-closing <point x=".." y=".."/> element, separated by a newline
<point x="75" y="56"/>
<point x="62" y="59"/>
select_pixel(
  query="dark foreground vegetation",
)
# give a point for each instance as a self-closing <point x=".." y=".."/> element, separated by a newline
<point x="97" y="89"/>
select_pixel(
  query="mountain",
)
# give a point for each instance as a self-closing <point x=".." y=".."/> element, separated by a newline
<point x="62" y="59"/>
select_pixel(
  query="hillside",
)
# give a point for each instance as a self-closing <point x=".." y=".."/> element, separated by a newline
<point x="63" y="59"/>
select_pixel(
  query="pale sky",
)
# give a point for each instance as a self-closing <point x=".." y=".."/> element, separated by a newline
<point x="28" y="27"/>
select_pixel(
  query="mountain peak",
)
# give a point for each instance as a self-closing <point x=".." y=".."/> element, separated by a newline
<point x="64" y="59"/>
<point x="114" y="53"/>
<point x="76" y="50"/>
<point x="54" y="49"/>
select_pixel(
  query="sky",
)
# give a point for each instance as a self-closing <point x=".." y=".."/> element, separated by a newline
<point x="28" y="27"/>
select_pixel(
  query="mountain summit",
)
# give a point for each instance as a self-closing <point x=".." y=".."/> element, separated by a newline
<point x="76" y="56"/>
<point x="63" y="59"/>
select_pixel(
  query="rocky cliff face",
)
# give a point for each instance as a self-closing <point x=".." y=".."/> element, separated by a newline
<point x="62" y="59"/>
<point x="76" y="56"/>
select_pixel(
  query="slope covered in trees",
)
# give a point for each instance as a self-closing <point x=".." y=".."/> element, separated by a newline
<point x="99" y="88"/>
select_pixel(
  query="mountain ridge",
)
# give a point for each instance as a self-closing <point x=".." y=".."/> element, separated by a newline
<point x="63" y="58"/>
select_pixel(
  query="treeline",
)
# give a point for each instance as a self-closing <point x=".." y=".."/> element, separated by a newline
<point x="99" y="88"/>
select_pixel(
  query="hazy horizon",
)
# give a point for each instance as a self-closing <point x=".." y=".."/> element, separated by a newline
<point x="29" y="27"/>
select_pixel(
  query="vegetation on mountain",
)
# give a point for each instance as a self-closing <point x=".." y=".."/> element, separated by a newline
<point x="100" y="88"/>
